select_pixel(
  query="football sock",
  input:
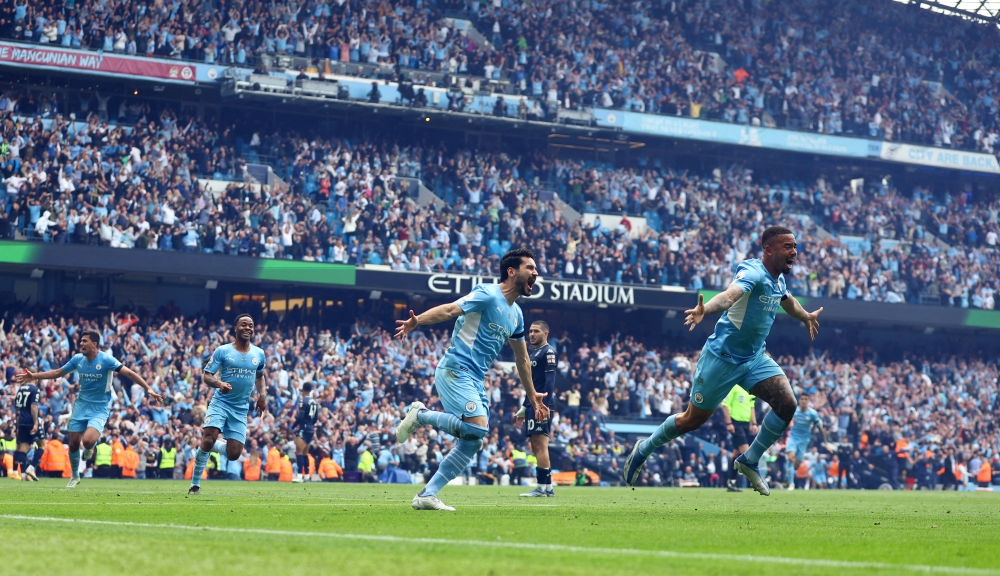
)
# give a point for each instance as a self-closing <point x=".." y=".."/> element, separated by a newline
<point x="200" y="461"/>
<point x="733" y="474"/>
<point x="74" y="463"/>
<point x="544" y="476"/>
<point x="770" y="430"/>
<point x="451" y="424"/>
<point x="303" y="462"/>
<point x="220" y="446"/>
<point x="20" y="461"/>
<point x="36" y="458"/>
<point x="453" y="464"/>
<point x="664" y="433"/>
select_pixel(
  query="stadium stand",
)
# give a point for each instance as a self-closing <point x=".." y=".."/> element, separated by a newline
<point x="879" y="70"/>
<point x="142" y="185"/>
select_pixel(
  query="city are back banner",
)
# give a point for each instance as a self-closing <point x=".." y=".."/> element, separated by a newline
<point x="96" y="63"/>
<point x="793" y="141"/>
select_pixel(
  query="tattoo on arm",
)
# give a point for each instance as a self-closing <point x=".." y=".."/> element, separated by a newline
<point x="777" y="392"/>
<point x="210" y="380"/>
<point x="723" y="300"/>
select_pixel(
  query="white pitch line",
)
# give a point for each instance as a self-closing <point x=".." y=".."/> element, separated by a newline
<point x="808" y="562"/>
<point x="318" y="506"/>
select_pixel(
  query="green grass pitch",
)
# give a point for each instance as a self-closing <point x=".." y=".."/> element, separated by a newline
<point x="152" y="527"/>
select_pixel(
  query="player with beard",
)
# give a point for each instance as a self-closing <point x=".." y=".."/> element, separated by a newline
<point x="486" y="318"/>
<point x="734" y="354"/>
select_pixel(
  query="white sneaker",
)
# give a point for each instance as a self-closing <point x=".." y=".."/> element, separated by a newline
<point x="29" y="474"/>
<point x="430" y="503"/>
<point x="791" y="487"/>
<point x="409" y="424"/>
<point x="297" y="479"/>
<point x="73" y="482"/>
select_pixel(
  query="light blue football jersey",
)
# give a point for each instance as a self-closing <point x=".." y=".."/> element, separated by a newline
<point x="740" y="332"/>
<point x="803" y="422"/>
<point x="237" y="369"/>
<point x="95" y="375"/>
<point x="481" y="332"/>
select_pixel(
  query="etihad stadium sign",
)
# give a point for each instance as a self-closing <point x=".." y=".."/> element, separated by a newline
<point x="556" y="291"/>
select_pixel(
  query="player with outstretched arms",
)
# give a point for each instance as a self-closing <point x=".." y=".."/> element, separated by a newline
<point x="734" y="354"/>
<point x="486" y="318"/>
<point x="235" y="370"/>
<point x="543" y="377"/>
<point x="96" y="370"/>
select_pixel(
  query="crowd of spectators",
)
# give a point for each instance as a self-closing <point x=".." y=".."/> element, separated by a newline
<point x="363" y="378"/>
<point x="874" y="69"/>
<point x="345" y="201"/>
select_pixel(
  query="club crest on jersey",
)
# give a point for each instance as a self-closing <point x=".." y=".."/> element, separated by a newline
<point x="98" y="367"/>
<point x="698" y="398"/>
<point x="253" y="361"/>
<point x="470" y="406"/>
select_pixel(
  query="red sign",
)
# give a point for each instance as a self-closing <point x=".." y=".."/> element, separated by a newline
<point x="95" y="62"/>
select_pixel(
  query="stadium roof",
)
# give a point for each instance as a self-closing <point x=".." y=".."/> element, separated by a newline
<point x="982" y="10"/>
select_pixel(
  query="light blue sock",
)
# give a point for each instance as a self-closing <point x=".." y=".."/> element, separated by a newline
<point x="220" y="446"/>
<point x="453" y="464"/>
<point x="74" y="462"/>
<point x="200" y="461"/>
<point x="451" y="424"/>
<point x="770" y="430"/>
<point x="664" y="433"/>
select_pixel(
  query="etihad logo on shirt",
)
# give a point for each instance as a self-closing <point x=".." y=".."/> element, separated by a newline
<point x="499" y="332"/>
<point x="235" y="371"/>
<point x="770" y="302"/>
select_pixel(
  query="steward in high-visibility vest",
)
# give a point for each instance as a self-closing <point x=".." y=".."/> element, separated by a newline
<point x="130" y="462"/>
<point x="116" y="457"/>
<point x="273" y="467"/>
<point x="102" y="460"/>
<point x="330" y="471"/>
<point x="251" y="468"/>
<point x="312" y="465"/>
<point x="168" y="459"/>
<point x="287" y="472"/>
<point x="54" y="457"/>
<point x="985" y="475"/>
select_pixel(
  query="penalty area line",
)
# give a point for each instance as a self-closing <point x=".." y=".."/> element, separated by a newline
<point x="806" y="562"/>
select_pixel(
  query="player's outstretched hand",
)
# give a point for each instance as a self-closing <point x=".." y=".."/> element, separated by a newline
<point x="404" y="327"/>
<point x="261" y="405"/>
<point x="812" y="323"/>
<point x="24" y="378"/>
<point x="695" y="315"/>
<point x="225" y="387"/>
<point x="541" y="410"/>
<point x="155" y="396"/>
